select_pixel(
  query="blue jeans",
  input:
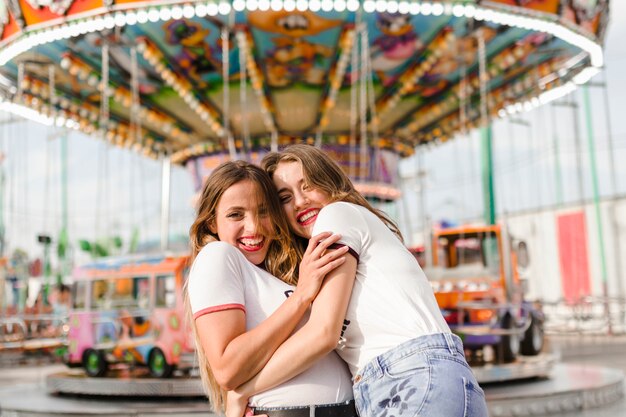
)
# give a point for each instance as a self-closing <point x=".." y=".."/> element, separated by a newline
<point x="427" y="376"/>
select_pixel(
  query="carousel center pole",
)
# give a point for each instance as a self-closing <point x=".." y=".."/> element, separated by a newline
<point x="166" y="169"/>
<point x="63" y="240"/>
<point x="63" y="236"/>
<point x="486" y="138"/>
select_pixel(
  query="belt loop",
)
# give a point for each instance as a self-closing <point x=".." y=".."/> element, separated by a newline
<point x="312" y="411"/>
<point x="379" y="367"/>
<point x="450" y="343"/>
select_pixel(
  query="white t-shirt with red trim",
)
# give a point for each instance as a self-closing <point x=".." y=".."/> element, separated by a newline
<point x="221" y="278"/>
<point x="392" y="301"/>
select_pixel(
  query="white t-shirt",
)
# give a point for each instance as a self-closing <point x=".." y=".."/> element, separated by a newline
<point x="221" y="278"/>
<point x="392" y="301"/>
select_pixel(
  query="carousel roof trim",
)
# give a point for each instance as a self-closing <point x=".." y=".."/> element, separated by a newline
<point x="118" y="17"/>
<point x="575" y="71"/>
<point x="181" y="86"/>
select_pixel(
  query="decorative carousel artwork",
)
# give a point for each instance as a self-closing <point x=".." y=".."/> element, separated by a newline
<point x="217" y="79"/>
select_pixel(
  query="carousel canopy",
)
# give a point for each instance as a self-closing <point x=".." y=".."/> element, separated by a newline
<point x="151" y="75"/>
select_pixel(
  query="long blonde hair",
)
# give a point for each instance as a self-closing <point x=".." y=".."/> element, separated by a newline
<point x="321" y="172"/>
<point x="282" y="257"/>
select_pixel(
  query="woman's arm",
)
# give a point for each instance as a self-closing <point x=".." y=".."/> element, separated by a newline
<point x="236" y="355"/>
<point x="315" y="339"/>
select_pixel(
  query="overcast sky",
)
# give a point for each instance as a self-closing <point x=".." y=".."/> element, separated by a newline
<point x="130" y="195"/>
<point x="524" y="157"/>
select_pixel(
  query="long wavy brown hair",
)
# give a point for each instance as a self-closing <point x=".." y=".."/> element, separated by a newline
<point x="282" y="257"/>
<point x="321" y="172"/>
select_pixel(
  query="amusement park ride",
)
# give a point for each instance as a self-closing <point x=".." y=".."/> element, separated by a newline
<point x="196" y="83"/>
<point x="201" y="81"/>
<point x="130" y="310"/>
<point x="479" y="287"/>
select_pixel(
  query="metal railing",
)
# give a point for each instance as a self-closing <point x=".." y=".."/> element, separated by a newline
<point x="587" y="315"/>
<point x="32" y="331"/>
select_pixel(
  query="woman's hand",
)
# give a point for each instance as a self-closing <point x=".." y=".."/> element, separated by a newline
<point x="317" y="262"/>
<point x="236" y="404"/>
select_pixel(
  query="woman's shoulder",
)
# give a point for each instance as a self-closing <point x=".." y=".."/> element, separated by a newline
<point x="342" y="211"/>
<point x="218" y="250"/>
<point x="342" y="207"/>
<point x="221" y="261"/>
<point x="217" y="246"/>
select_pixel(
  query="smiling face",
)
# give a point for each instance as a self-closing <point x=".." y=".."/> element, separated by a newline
<point x="242" y="222"/>
<point x="300" y="201"/>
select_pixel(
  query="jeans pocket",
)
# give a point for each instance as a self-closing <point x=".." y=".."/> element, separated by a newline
<point x="472" y="385"/>
<point x="475" y="403"/>
<point x="407" y="366"/>
<point x="402" y="389"/>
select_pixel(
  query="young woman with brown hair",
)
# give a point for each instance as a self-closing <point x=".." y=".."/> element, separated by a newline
<point x="240" y="311"/>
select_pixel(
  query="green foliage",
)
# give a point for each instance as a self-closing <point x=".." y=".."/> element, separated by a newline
<point x="117" y="242"/>
<point x="100" y="250"/>
<point x="103" y="247"/>
<point x="85" y="245"/>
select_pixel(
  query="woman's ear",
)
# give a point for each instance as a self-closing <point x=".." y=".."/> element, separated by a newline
<point x="212" y="227"/>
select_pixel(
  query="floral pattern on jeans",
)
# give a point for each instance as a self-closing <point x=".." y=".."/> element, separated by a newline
<point x="398" y="398"/>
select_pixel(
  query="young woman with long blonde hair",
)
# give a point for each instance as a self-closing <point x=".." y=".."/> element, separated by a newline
<point x="240" y="311"/>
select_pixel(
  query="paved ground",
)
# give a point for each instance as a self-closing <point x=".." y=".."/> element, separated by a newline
<point x="26" y="374"/>
<point x="576" y="349"/>
<point x="593" y="351"/>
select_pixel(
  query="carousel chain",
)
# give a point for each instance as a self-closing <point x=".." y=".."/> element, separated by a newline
<point x="463" y="100"/>
<point x="335" y="82"/>
<point x="318" y="138"/>
<point x="232" y="150"/>
<point x="274" y="141"/>
<point x="52" y="91"/>
<point x="374" y="116"/>
<point x="483" y="78"/>
<point x="354" y="63"/>
<point x="353" y="108"/>
<point x="135" y="117"/>
<point x="251" y="70"/>
<point x="104" y="91"/>
<point x="362" y="174"/>
<point x="20" y="82"/>
<point x="243" y="97"/>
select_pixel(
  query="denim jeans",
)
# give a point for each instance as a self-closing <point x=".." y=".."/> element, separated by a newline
<point x="427" y="376"/>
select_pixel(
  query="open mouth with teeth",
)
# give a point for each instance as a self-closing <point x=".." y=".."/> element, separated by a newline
<point x="251" y="243"/>
<point x="307" y="217"/>
<point x="293" y="22"/>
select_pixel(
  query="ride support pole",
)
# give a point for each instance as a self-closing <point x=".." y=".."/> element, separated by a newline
<point x="596" y="204"/>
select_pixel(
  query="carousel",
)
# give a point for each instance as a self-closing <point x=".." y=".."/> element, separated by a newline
<point x="197" y="83"/>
